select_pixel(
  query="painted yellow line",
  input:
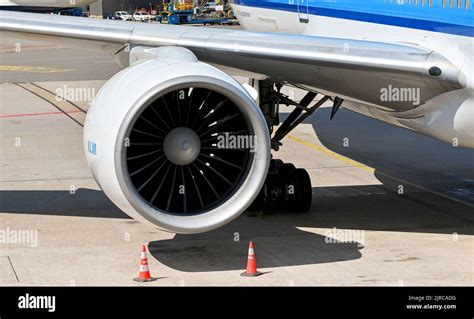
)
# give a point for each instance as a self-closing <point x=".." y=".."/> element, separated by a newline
<point x="32" y="69"/>
<point x="332" y="154"/>
<point x="371" y="169"/>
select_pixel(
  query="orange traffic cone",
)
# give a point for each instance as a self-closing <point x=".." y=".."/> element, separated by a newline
<point x="144" y="275"/>
<point x="251" y="264"/>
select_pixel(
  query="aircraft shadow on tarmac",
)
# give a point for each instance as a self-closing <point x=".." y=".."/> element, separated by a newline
<point x="401" y="153"/>
<point x="83" y="203"/>
<point x="438" y="167"/>
<point x="285" y="239"/>
<point x="278" y="243"/>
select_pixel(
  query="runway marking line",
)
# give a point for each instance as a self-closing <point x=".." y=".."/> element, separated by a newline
<point x="32" y="69"/>
<point x="68" y="108"/>
<point x="13" y="268"/>
<point x="333" y="154"/>
<point x="36" y="114"/>
<point x="369" y="169"/>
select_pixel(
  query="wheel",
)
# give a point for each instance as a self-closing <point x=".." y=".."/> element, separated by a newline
<point x="300" y="191"/>
<point x="275" y="164"/>
<point x="278" y="162"/>
<point x="285" y="169"/>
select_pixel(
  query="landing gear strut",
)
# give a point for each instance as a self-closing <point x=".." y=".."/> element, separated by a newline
<point x="286" y="186"/>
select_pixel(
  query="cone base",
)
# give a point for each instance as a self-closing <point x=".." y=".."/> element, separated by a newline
<point x="145" y="279"/>
<point x="250" y="274"/>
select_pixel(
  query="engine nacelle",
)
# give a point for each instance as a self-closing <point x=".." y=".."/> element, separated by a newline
<point x="177" y="143"/>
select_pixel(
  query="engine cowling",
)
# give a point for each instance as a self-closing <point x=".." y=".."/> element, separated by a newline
<point x="158" y="140"/>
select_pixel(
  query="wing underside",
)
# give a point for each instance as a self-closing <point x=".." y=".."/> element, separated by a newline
<point x="343" y="67"/>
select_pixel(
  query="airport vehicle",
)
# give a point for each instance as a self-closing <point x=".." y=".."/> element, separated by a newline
<point x="188" y="17"/>
<point x="175" y="141"/>
<point x="123" y="15"/>
<point x="42" y="5"/>
<point x="141" y="16"/>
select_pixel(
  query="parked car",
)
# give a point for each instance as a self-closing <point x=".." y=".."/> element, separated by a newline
<point x="123" y="15"/>
<point x="141" y="16"/>
<point x="109" y="17"/>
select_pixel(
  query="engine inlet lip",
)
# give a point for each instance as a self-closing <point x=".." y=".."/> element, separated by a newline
<point x="258" y="164"/>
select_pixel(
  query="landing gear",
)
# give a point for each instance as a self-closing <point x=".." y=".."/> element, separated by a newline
<point x="285" y="169"/>
<point x="299" y="191"/>
<point x="286" y="187"/>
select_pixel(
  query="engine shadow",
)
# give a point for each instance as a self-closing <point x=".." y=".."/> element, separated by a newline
<point x="83" y="203"/>
<point x="278" y="243"/>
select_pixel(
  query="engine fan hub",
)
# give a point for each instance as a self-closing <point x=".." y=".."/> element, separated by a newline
<point x="182" y="146"/>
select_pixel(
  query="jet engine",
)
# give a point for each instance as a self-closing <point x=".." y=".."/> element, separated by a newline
<point x="177" y="143"/>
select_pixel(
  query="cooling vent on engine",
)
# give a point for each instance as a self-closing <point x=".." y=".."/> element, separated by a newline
<point x="175" y="157"/>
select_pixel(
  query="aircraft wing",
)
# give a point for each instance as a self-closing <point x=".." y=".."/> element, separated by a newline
<point x="348" y="68"/>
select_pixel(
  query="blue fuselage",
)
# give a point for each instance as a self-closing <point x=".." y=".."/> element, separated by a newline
<point x="445" y="16"/>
